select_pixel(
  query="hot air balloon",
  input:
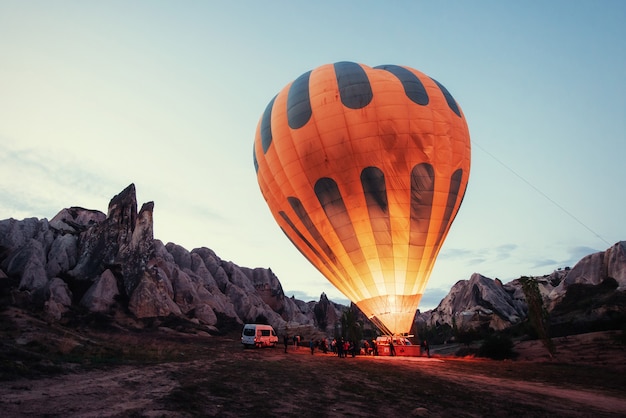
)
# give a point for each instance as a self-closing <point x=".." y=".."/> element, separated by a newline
<point x="364" y="169"/>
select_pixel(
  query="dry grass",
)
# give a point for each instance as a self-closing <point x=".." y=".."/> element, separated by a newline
<point x="138" y="373"/>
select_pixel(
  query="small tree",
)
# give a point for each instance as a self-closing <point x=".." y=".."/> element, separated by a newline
<point x="537" y="314"/>
<point x="351" y="329"/>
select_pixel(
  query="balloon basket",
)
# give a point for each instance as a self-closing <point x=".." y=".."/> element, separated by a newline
<point x="401" y="350"/>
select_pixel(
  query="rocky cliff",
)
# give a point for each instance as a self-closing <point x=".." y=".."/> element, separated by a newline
<point x="106" y="264"/>
<point x="590" y="295"/>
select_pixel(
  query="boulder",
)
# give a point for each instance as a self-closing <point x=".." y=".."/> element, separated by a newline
<point x="476" y="302"/>
<point x="153" y="296"/>
<point x="616" y="264"/>
<point x="205" y="314"/>
<point x="76" y="219"/>
<point x="28" y="263"/>
<point x="594" y="269"/>
<point x="101" y="295"/>
<point x="58" y="298"/>
<point x="63" y="254"/>
<point x="14" y="233"/>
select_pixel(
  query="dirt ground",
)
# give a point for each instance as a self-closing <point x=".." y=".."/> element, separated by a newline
<point x="201" y="375"/>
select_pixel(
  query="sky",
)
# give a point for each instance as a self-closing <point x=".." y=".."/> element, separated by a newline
<point x="167" y="95"/>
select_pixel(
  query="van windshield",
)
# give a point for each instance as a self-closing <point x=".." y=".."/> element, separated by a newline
<point x="248" y="332"/>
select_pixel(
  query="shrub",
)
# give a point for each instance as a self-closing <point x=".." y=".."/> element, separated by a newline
<point x="497" y="347"/>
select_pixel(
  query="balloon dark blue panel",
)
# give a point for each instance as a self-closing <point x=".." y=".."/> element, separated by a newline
<point x="308" y="244"/>
<point x="328" y="194"/>
<point x="451" y="102"/>
<point x="256" y="162"/>
<point x="373" y="182"/>
<point x="299" y="234"/>
<point x="338" y="270"/>
<point x="355" y="89"/>
<point x="299" y="102"/>
<point x="454" y="193"/>
<point x="297" y="207"/>
<point x="332" y="202"/>
<point x="266" y="126"/>
<point x="422" y="195"/>
<point x="413" y="87"/>
<point x="375" y="191"/>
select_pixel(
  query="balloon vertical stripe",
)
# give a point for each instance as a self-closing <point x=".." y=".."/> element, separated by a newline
<point x="266" y="126"/>
<point x="354" y="86"/>
<point x="296" y="205"/>
<point x="298" y="102"/>
<point x="330" y="260"/>
<point x="333" y="204"/>
<point x="413" y="87"/>
<point x="318" y="257"/>
<point x="449" y="99"/>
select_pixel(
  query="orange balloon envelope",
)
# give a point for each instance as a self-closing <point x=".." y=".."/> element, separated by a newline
<point x="364" y="169"/>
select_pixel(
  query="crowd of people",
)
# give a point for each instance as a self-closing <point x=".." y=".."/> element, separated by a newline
<point x="344" y="348"/>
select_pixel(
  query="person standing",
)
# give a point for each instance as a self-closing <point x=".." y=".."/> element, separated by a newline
<point x="286" y="341"/>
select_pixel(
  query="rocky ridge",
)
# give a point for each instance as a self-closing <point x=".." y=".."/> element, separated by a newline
<point x="590" y="295"/>
<point x="83" y="260"/>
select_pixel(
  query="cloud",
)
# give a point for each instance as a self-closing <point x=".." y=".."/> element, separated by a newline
<point x="475" y="261"/>
<point x="577" y="253"/>
<point x="574" y="255"/>
<point x="504" y="251"/>
<point x="44" y="182"/>
<point x="479" y="256"/>
<point x="432" y="297"/>
<point x="582" y="251"/>
<point x="455" y="253"/>
<point x="548" y="262"/>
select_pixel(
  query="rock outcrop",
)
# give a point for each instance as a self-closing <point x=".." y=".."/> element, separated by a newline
<point x="592" y="292"/>
<point x="107" y="262"/>
<point x="479" y="300"/>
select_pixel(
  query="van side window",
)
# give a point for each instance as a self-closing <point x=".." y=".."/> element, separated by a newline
<point x="265" y="332"/>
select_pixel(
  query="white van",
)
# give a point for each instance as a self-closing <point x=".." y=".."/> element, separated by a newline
<point x="258" y="335"/>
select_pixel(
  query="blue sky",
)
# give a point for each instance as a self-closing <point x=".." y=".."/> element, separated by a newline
<point x="167" y="95"/>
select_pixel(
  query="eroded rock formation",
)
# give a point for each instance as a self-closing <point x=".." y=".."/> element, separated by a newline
<point x="593" y="291"/>
<point x="112" y="263"/>
<point x="106" y="262"/>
